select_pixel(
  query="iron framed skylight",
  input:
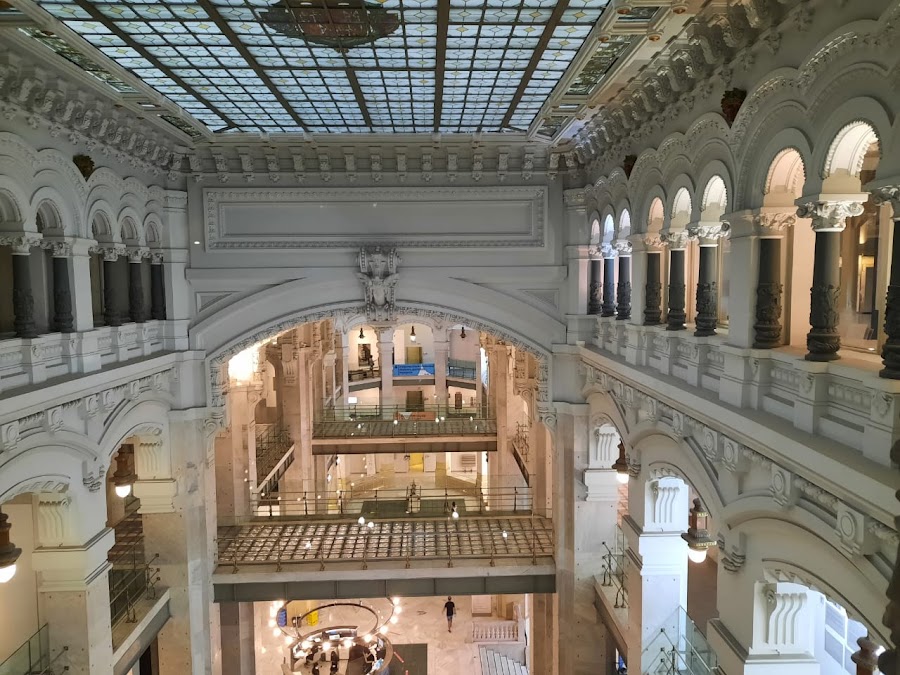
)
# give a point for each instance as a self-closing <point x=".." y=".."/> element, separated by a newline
<point x="443" y="65"/>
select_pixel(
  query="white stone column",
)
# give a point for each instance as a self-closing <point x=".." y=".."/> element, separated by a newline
<point x="479" y="394"/>
<point x="80" y="285"/>
<point x="73" y="576"/>
<point x="345" y="369"/>
<point x="441" y="351"/>
<point x="181" y="539"/>
<point x="656" y="581"/>
<point x="386" y="364"/>
<point x="234" y="474"/>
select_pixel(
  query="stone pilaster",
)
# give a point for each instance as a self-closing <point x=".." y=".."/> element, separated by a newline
<point x="623" y="287"/>
<point x="829" y="218"/>
<point x="677" y="243"/>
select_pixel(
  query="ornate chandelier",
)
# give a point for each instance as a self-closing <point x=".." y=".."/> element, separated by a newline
<point x="340" y="24"/>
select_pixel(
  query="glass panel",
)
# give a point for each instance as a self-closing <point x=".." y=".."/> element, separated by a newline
<point x="355" y="65"/>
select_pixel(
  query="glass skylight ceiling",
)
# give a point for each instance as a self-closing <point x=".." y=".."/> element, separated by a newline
<point x="448" y="65"/>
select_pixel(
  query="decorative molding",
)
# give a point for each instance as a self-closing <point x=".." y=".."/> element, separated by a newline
<point x="216" y="200"/>
<point x="378" y="274"/>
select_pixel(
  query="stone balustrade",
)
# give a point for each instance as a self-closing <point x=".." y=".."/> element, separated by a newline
<point x="845" y="401"/>
<point x="28" y="362"/>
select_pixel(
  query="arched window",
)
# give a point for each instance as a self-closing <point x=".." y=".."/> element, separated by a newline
<point x="713" y="206"/>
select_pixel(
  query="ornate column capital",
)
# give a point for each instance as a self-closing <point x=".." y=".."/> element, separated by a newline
<point x="708" y="233"/>
<point x="576" y="198"/>
<point x="111" y="252"/>
<point x="675" y="240"/>
<point x="623" y="247"/>
<point x="156" y="258"/>
<point x="58" y="248"/>
<point x="651" y="241"/>
<point x="20" y="242"/>
<point x="136" y="255"/>
<point x="888" y="194"/>
<point x="608" y="251"/>
<point x="830" y="213"/>
<point x="595" y="253"/>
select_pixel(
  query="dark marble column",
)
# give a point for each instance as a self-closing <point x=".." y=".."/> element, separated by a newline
<point x="63" y="321"/>
<point x="112" y="287"/>
<point x="676" y="316"/>
<point x="595" y="293"/>
<point x="157" y="288"/>
<point x="828" y="220"/>
<point x="653" y="289"/>
<point x="609" y="283"/>
<point x="23" y="298"/>
<point x="707" y="291"/>
<point x="136" y="287"/>
<point x="623" y="288"/>
<point x="767" y="328"/>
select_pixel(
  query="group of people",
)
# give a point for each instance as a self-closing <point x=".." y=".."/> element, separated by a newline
<point x="360" y="659"/>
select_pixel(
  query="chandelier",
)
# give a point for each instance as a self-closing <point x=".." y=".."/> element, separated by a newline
<point x="340" y="24"/>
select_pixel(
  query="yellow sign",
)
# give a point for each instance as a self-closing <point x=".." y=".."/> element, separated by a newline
<point x="313" y="618"/>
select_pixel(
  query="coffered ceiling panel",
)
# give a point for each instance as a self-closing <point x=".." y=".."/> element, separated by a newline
<point x="332" y="66"/>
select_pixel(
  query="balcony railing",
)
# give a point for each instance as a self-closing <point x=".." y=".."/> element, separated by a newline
<point x="678" y="648"/>
<point x="374" y="421"/>
<point x="131" y="579"/>
<point x="25" y="362"/>
<point x="614" y="568"/>
<point x="34" y="656"/>
<point x="843" y="400"/>
<point x="359" y="374"/>
<point x="413" y="500"/>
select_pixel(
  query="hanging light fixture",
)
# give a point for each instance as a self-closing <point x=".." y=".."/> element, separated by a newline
<point x="9" y="554"/>
<point x="462" y="333"/>
<point x="361" y="335"/>
<point x="697" y="537"/>
<point x="122" y="479"/>
<point x="621" y="466"/>
<point x="412" y="334"/>
<point x="453" y="512"/>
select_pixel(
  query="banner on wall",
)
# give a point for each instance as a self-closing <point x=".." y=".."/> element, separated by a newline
<point x="413" y="369"/>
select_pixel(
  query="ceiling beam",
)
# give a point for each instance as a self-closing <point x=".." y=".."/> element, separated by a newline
<point x="552" y="23"/>
<point x="443" y="23"/>
<point x="360" y="97"/>
<point x="98" y="16"/>
<point x="235" y="41"/>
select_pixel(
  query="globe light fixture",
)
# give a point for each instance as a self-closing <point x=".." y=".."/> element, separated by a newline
<point x="412" y="334"/>
<point x="697" y="537"/>
<point x="361" y="520"/>
<point x="621" y="465"/>
<point x="9" y="554"/>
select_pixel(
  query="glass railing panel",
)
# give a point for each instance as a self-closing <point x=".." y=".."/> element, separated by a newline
<point x="678" y="646"/>
<point x="33" y="657"/>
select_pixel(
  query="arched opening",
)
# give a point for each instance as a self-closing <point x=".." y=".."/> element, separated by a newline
<point x="595" y="270"/>
<point x="102" y="234"/>
<point x="624" y="224"/>
<point x="10" y="220"/>
<point x="657" y="293"/>
<point x="683" y="256"/>
<point x="714" y="205"/>
<point x="852" y="162"/>
<point x="785" y="181"/>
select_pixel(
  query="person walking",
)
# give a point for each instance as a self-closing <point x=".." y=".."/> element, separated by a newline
<point x="450" y="610"/>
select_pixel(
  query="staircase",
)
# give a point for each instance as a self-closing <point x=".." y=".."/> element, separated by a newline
<point x="495" y="663"/>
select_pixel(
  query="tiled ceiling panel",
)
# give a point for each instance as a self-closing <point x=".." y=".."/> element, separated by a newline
<point x="343" y="65"/>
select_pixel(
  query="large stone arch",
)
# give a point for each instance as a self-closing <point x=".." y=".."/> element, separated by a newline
<point x="331" y="293"/>
<point x="148" y="416"/>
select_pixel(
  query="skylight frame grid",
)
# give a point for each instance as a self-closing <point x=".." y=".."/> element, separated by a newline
<point x="192" y="42"/>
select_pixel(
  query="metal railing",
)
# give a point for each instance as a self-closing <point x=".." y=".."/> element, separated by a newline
<point x="679" y="648"/>
<point x="272" y="442"/>
<point x="435" y="540"/>
<point x="614" y="568"/>
<point x="424" y="412"/>
<point x="360" y="374"/>
<point x="33" y="657"/>
<point x="461" y="369"/>
<point x="131" y="578"/>
<point x="379" y="502"/>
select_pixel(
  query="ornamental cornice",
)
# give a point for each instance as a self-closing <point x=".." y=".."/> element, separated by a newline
<point x="88" y="121"/>
<point x="786" y="488"/>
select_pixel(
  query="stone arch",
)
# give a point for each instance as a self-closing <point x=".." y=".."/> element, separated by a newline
<point x="624" y="228"/>
<point x="778" y="185"/>
<point x="100" y="219"/>
<point x="846" y="135"/>
<point x="148" y="416"/>
<point x="594" y="221"/>
<point x="657" y="449"/>
<point x="12" y="206"/>
<point x="682" y="208"/>
<point x="652" y="216"/>
<point x="608" y="230"/>
<point x="53" y="215"/>
<point x="715" y="184"/>
<point x="790" y="551"/>
<point x="131" y="232"/>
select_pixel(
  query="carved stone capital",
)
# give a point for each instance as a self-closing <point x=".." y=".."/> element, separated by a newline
<point x="676" y="241"/>
<point x="156" y="258"/>
<point x="137" y="255"/>
<point x="709" y="232"/>
<point x="608" y="251"/>
<point x="830" y="216"/>
<point x="57" y="248"/>
<point x="623" y="247"/>
<point x="20" y="243"/>
<point x="888" y="194"/>
<point x="772" y="223"/>
<point x="653" y="242"/>
<point x="111" y="253"/>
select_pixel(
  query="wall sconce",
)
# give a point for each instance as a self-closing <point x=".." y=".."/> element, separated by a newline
<point x="412" y="334"/>
<point x="697" y="537"/>
<point x="361" y="335"/>
<point x="462" y="333"/>
<point x="122" y="479"/>
<point x="621" y="466"/>
<point x="9" y="554"/>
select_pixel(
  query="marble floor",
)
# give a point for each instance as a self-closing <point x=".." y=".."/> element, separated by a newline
<point x="423" y="621"/>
